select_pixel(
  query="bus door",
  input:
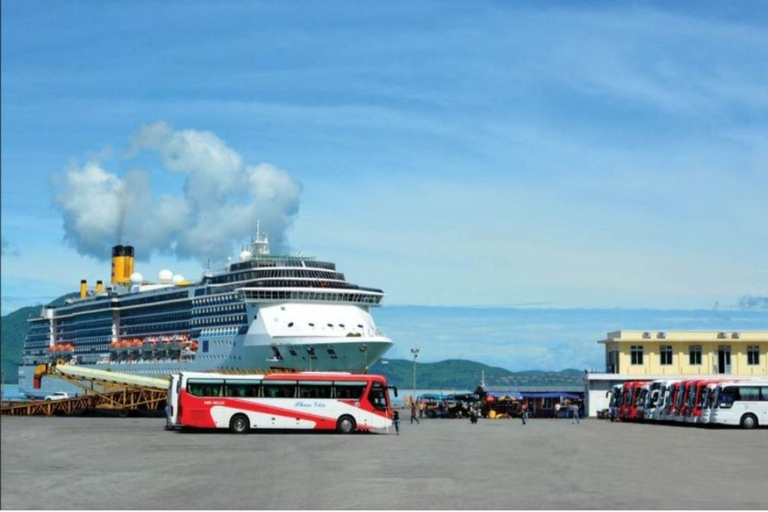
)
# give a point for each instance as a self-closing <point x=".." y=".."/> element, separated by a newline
<point x="685" y="404"/>
<point x="627" y="397"/>
<point x="378" y="400"/>
<point x="669" y="402"/>
<point x="679" y="407"/>
<point x="650" y="397"/>
<point x="710" y="394"/>
<point x="642" y="394"/>
<point x="695" y="401"/>
<point x="172" y="401"/>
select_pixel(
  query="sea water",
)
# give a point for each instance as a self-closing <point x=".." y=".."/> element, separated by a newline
<point x="11" y="392"/>
<point x="518" y="339"/>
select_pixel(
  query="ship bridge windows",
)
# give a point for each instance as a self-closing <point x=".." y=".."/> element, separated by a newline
<point x="296" y="295"/>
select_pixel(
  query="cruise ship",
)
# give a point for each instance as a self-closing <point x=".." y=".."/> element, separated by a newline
<point x="261" y="312"/>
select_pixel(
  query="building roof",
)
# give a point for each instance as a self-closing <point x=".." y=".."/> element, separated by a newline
<point x="565" y="388"/>
<point x="679" y="376"/>
<point x="692" y="336"/>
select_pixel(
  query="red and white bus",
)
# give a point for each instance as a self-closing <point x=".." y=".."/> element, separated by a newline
<point x="697" y="400"/>
<point x="344" y="402"/>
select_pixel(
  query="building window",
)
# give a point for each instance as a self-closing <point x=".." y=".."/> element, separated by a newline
<point x="694" y="355"/>
<point x="753" y="355"/>
<point x="665" y="352"/>
<point x="636" y="352"/>
<point x="546" y="403"/>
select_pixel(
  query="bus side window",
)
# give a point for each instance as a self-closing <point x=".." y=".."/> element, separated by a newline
<point x="352" y="391"/>
<point x="749" y="393"/>
<point x="273" y="390"/>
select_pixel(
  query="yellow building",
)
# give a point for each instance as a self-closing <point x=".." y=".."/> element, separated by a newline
<point x="655" y="355"/>
<point x="686" y="353"/>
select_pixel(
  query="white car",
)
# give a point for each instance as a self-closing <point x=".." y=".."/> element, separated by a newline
<point x="58" y="395"/>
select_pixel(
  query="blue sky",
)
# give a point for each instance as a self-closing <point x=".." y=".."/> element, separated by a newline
<point x="599" y="154"/>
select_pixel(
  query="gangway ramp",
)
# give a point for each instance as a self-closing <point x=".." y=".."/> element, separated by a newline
<point x="101" y="390"/>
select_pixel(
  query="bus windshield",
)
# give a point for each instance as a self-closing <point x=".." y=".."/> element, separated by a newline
<point x="378" y="396"/>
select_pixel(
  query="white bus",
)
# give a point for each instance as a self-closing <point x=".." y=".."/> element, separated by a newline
<point x="344" y="402"/>
<point x="652" y="396"/>
<point x="740" y="403"/>
<point x="664" y="401"/>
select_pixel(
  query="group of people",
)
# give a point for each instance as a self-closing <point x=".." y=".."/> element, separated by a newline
<point x="474" y="413"/>
<point x="574" y="410"/>
<point x="414" y="412"/>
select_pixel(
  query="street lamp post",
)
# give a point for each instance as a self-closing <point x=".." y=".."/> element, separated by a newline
<point x="310" y="354"/>
<point x="363" y="349"/>
<point x="415" y="352"/>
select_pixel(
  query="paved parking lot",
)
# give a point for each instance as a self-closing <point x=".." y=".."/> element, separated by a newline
<point x="113" y="463"/>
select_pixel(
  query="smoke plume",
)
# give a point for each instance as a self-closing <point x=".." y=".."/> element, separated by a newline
<point x="221" y="200"/>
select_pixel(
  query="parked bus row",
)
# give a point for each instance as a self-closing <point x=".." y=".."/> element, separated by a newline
<point x="344" y="402"/>
<point x="692" y="401"/>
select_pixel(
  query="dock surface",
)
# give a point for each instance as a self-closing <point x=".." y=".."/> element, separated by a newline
<point x="133" y="463"/>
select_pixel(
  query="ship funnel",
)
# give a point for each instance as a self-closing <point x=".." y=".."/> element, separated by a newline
<point x="83" y="288"/>
<point x="122" y="264"/>
<point x="128" y="260"/>
<point x="99" y="287"/>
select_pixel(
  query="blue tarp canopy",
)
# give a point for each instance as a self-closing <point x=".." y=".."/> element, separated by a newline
<point x="551" y="394"/>
<point x="432" y="396"/>
<point x="512" y="394"/>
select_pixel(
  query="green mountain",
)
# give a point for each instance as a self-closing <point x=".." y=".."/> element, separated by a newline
<point x="13" y="332"/>
<point x="466" y="375"/>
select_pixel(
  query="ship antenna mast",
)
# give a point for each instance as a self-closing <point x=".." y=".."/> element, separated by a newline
<point x="260" y="244"/>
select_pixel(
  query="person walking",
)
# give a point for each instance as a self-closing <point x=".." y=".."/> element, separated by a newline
<point x="421" y="408"/>
<point x="575" y="408"/>
<point x="524" y="416"/>
<point x="396" y="421"/>
<point x="413" y="413"/>
<point x="557" y="410"/>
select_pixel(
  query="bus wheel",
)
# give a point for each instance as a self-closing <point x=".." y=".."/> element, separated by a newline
<point x="748" y="421"/>
<point x="346" y="425"/>
<point x="239" y="424"/>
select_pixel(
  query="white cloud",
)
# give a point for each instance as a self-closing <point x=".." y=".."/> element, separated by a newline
<point x="219" y="205"/>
